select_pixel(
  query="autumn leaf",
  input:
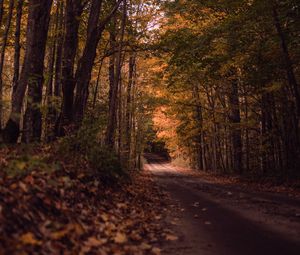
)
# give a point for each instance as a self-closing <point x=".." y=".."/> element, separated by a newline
<point x="145" y="246"/>
<point x="170" y="237"/>
<point x="156" y="251"/>
<point x="94" y="242"/>
<point x="29" y="238"/>
<point x="120" y="238"/>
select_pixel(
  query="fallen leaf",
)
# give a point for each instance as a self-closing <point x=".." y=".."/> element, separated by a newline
<point x="23" y="186"/>
<point x="196" y="204"/>
<point x="29" y="238"/>
<point x="120" y="238"/>
<point x="145" y="246"/>
<point x="156" y="251"/>
<point x="94" y="242"/>
<point x="170" y="237"/>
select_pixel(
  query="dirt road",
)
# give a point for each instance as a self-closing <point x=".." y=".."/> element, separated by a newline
<point x="214" y="219"/>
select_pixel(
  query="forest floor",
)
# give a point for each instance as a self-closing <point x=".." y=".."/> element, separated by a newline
<point x="50" y="204"/>
<point x="221" y="215"/>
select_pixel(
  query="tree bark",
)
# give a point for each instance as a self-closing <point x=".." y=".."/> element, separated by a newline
<point x="128" y="118"/>
<point x="86" y="62"/>
<point x="74" y="9"/>
<point x="38" y="29"/>
<point x="85" y="65"/>
<point x="235" y="120"/>
<point x="2" y="55"/>
<point x="199" y="120"/>
<point x="59" y="48"/>
<point x="288" y="62"/>
<point x="111" y="126"/>
<point x="32" y="70"/>
<point x="17" y="44"/>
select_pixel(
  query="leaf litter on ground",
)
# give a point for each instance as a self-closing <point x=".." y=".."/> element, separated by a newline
<point x="57" y="211"/>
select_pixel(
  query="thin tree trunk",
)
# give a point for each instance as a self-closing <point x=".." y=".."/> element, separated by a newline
<point x="59" y="48"/>
<point x="288" y="63"/>
<point x="85" y="65"/>
<point x="235" y="120"/>
<point x="1" y="11"/>
<point x="73" y="12"/>
<point x="2" y="55"/>
<point x="50" y="117"/>
<point x="128" y="133"/>
<point x="97" y="84"/>
<point x="111" y="127"/>
<point x="86" y="62"/>
<point x="199" y="120"/>
<point x="17" y="44"/>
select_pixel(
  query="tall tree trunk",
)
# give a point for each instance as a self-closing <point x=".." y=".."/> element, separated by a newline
<point x="86" y="62"/>
<point x="235" y="120"/>
<point x="54" y="41"/>
<point x="128" y="130"/>
<point x="39" y="21"/>
<point x="111" y="126"/>
<point x="32" y="73"/>
<point x="97" y="84"/>
<point x="73" y="12"/>
<point x="288" y="62"/>
<point x="2" y="55"/>
<point x="17" y="44"/>
<point x="59" y="48"/>
<point x="199" y="120"/>
<point x="1" y="11"/>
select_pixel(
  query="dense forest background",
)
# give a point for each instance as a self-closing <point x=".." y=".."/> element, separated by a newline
<point x="217" y="82"/>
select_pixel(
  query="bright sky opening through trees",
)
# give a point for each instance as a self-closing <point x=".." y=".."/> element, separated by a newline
<point x="210" y="85"/>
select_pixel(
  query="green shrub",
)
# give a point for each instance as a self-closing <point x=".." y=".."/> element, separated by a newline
<point x="106" y="164"/>
<point x="86" y="142"/>
<point x="21" y="166"/>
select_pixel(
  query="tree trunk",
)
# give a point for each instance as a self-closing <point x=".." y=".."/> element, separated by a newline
<point x="38" y="29"/>
<point x="199" y="120"/>
<point x="49" y="98"/>
<point x="32" y="70"/>
<point x="2" y="55"/>
<point x="1" y="11"/>
<point x="111" y="126"/>
<point x="288" y="63"/>
<point x="97" y="84"/>
<point x="235" y="120"/>
<point x="17" y="44"/>
<point x="86" y="62"/>
<point x="74" y="9"/>
<point x="128" y="134"/>
<point x="59" y="48"/>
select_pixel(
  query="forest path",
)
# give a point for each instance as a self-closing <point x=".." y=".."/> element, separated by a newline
<point x="213" y="219"/>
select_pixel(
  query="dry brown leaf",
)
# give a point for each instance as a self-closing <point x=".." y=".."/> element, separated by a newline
<point x="94" y="242"/>
<point x="156" y="251"/>
<point x="145" y="246"/>
<point x="120" y="238"/>
<point x="29" y="238"/>
<point x="170" y="237"/>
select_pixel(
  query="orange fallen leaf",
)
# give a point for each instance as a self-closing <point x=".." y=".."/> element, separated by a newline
<point x="156" y="251"/>
<point x="94" y="242"/>
<point x="29" y="238"/>
<point x="120" y="238"/>
<point x="170" y="237"/>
